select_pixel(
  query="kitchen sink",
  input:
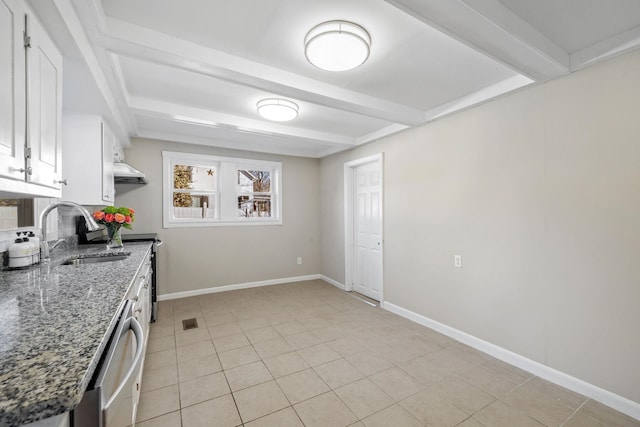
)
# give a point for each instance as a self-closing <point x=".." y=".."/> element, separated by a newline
<point x="92" y="259"/>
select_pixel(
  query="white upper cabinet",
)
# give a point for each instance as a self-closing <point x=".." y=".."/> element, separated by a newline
<point x="30" y="105"/>
<point x="12" y="87"/>
<point x="44" y="138"/>
<point x="88" y="159"/>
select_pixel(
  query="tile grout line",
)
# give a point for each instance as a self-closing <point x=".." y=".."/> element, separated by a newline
<point x="282" y="391"/>
<point x="574" y="412"/>
<point x="232" y="394"/>
<point x="173" y="315"/>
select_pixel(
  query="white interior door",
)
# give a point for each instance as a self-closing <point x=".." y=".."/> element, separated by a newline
<point x="367" y="227"/>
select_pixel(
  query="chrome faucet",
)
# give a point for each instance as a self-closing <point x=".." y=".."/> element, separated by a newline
<point x="92" y="225"/>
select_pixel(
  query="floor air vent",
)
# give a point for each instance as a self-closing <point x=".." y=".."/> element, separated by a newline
<point x="188" y="324"/>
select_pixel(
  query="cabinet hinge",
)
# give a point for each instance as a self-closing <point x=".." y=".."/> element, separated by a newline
<point x="27" y="152"/>
<point x="26" y="38"/>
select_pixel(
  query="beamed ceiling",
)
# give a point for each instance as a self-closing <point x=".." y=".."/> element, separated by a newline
<point x="192" y="70"/>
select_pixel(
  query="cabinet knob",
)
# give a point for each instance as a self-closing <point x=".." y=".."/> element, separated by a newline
<point x="29" y="170"/>
<point x="61" y="181"/>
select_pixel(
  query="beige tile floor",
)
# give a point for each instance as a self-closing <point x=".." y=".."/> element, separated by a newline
<point x="308" y="354"/>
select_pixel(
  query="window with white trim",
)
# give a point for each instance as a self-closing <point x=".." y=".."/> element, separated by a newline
<point x="201" y="190"/>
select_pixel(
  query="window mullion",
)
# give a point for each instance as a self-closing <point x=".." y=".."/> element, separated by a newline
<point x="227" y="191"/>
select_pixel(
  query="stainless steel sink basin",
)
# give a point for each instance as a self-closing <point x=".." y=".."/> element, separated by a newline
<point x="92" y="259"/>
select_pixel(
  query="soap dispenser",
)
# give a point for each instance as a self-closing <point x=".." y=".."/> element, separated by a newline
<point x="20" y="253"/>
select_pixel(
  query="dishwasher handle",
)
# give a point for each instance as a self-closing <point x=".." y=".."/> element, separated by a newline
<point x="133" y="325"/>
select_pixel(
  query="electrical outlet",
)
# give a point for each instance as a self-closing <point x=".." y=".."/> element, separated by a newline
<point x="299" y="260"/>
<point x="457" y="261"/>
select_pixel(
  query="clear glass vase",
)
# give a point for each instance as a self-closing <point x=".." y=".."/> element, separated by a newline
<point x="114" y="239"/>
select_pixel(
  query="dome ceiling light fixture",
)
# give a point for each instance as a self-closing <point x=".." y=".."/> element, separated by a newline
<point x="337" y="45"/>
<point x="277" y="109"/>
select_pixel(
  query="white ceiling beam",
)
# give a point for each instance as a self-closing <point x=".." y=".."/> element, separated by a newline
<point x="300" y="150"/>
<point x="327" y="152"/>
<point x="72" y="21"/>
<point x="605" y="49"/>
<point x="478" y="97"/>
<point x="139" y="42"/>
<point x="201" y="117"/>
<point x="381" y="133"/>
<point x="492" y="29"/>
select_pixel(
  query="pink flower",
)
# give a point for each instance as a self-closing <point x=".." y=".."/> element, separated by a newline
<point x="98" y="215"/>
<point x="131" y="211"/>
<point x="127" y="219"/>
<point x="109" y="217"/>
<point x="119" y="218"/>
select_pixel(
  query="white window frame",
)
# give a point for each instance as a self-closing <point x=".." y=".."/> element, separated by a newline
<point x="226" y="190"/>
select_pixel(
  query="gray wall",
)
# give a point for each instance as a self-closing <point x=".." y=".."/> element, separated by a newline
<point x="539" y="191"/>
<point x="203" y="257"/>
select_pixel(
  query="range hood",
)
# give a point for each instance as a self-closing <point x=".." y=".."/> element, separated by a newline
<point x="127" y="174"/>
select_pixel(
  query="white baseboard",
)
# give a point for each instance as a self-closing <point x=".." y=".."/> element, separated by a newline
<point x="224" y="288"/>
<point x="333" y="282"/>
<point x="608" y="398"/>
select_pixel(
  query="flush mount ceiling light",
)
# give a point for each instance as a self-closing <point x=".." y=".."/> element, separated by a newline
<point x="277" y="109"/>
<point x="337" y="45"/>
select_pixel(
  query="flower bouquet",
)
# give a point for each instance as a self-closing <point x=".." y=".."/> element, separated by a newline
<point x="114" y="219"/>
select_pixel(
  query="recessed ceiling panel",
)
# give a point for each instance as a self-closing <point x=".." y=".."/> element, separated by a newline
<point x="577" y="24"/>
<point x="427" y="69"/>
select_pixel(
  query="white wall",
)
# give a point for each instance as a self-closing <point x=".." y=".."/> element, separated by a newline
<point x="204" y="257"/>
<point x="539" y="191"/>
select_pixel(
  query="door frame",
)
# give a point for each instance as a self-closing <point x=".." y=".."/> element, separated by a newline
<point x="349" y="219"/>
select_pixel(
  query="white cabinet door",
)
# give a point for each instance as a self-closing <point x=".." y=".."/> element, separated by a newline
<point x="108" y="186"/>
<point x="12" y="85"/>
<point x="44" y="137"/>
<point x="88" y="160"/>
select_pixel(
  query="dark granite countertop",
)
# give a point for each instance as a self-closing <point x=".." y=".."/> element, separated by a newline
<point x="54" y="324"/>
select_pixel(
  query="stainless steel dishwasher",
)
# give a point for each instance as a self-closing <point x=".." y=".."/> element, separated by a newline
<point x="111" y="399"/>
